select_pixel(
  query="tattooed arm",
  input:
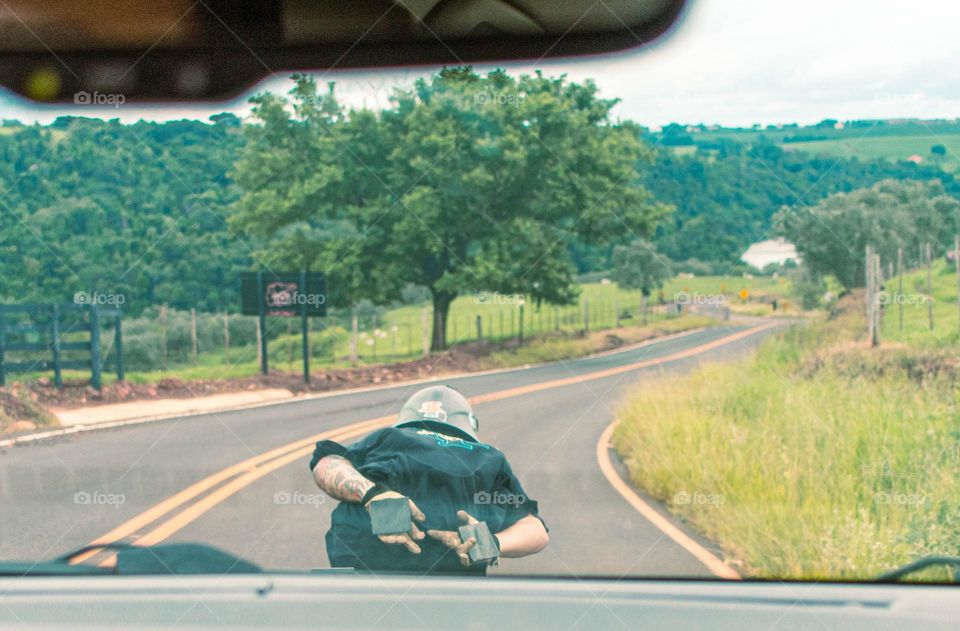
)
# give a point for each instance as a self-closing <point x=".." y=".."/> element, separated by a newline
<point x="340" y="480"/>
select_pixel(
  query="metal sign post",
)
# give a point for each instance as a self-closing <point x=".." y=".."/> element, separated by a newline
<point x="261" y="313"/>
<point x="305" y="326"/>
<point x="95" y="364"/>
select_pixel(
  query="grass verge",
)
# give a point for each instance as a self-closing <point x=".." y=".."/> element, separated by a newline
<point x="817" y="458"/>
<point x="565" y="346"/>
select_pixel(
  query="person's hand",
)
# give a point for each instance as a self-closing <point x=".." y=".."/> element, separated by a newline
<point x="407" y="539"/>
<point x="451" y="538"/>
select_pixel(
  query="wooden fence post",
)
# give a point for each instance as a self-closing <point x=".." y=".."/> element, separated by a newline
<point x="869" y="293"/>
<point x="520" y="335"/>
<point x="425" y="332"/>
<point x="57" y="373"/>
<point x="355" y="340"/>
<point x="163" y="334"/>
<point x="900" y="285"/>
<point x="877" y="308"/>
<point x="226" y="336"/>
<point x="930" y="284"/>
<point x="118" y="343"/>
<point x="956" y="265"/>
<point x="193" y="335"/>
<point x="259" y="345"/>
<point x="94" y="347"/>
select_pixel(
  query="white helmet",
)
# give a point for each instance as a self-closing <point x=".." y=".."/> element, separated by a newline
<point x="439" y="404"/>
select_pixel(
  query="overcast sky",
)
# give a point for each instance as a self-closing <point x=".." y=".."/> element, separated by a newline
<point x="731" y="62"/>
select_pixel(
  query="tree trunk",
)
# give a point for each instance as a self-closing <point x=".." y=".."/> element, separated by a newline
<point x="441" y="311"/>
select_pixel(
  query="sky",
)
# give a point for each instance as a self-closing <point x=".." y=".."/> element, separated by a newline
<point x="729" y="62"/>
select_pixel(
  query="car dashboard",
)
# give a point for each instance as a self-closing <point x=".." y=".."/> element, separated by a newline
<point x="343" y="600"/>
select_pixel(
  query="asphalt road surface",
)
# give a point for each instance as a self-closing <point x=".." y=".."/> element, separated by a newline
<point x="60" y="494"/>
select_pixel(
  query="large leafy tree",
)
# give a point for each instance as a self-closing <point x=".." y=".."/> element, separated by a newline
<point x="832" y="236"/>
<point x="465" y="182"/>
<point x="638" y="266"/>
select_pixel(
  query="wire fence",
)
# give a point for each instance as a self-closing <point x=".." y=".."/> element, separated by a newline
<point x="163" y="338"/>
<point x="915" y="299"/>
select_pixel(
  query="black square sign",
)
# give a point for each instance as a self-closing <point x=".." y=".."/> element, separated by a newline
<point x="282" y="295"/>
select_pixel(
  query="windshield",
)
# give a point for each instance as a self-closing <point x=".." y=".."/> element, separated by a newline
<point x="690" y="311"/>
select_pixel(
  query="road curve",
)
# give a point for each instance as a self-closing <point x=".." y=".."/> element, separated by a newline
<point x="239" y="480"/>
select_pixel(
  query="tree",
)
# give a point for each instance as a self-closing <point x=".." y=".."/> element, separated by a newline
<point x="831" y="237"/>
<point x="726" y="199"/>
<point x="463" y="183"/>
<point x="807" y="287"/>
<point x="638" y="266"/>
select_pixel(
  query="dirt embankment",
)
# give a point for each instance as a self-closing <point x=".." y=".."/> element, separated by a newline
<point x="20" y="398"/>
<point x="19" y="411"/>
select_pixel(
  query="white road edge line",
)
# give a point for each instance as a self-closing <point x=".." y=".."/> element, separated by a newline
<point x="80" y="428"/>
<point x="707" y="558"/>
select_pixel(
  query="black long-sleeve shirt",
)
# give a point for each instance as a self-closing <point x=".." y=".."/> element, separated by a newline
<point x="442" y="471"/>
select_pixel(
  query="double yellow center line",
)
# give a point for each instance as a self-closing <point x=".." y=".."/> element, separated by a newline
<point x="218" y="487"/>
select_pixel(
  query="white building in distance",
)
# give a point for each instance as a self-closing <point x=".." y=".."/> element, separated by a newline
<point x="762" y="253"/>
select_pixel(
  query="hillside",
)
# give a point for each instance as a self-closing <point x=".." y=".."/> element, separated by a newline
<point x="892" y="140"/>
<point x="140" y="210"/>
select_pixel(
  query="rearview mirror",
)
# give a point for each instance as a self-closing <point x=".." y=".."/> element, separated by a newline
<point x="169" y="50"/>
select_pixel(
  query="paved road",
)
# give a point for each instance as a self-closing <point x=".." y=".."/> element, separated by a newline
<point x="549" y="435"/>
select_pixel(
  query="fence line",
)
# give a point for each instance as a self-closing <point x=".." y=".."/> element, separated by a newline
<point x="166" y="339"/>
<point x="880" y="292"/>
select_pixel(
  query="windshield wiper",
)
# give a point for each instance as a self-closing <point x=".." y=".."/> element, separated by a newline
<point x="921" y="564"/>
<point x="49" y="568"/>
<point x="173" y="558"/>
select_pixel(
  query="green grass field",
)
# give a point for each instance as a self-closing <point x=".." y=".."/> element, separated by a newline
<point x="817" y="458"/>
<point x="887" y="147"/>
<point x="400" y="334"/>
<point x="877" y="144"/>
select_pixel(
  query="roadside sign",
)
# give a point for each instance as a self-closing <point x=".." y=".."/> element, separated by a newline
<point x="283" y="294"/>
<point x="287" y="295"/>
